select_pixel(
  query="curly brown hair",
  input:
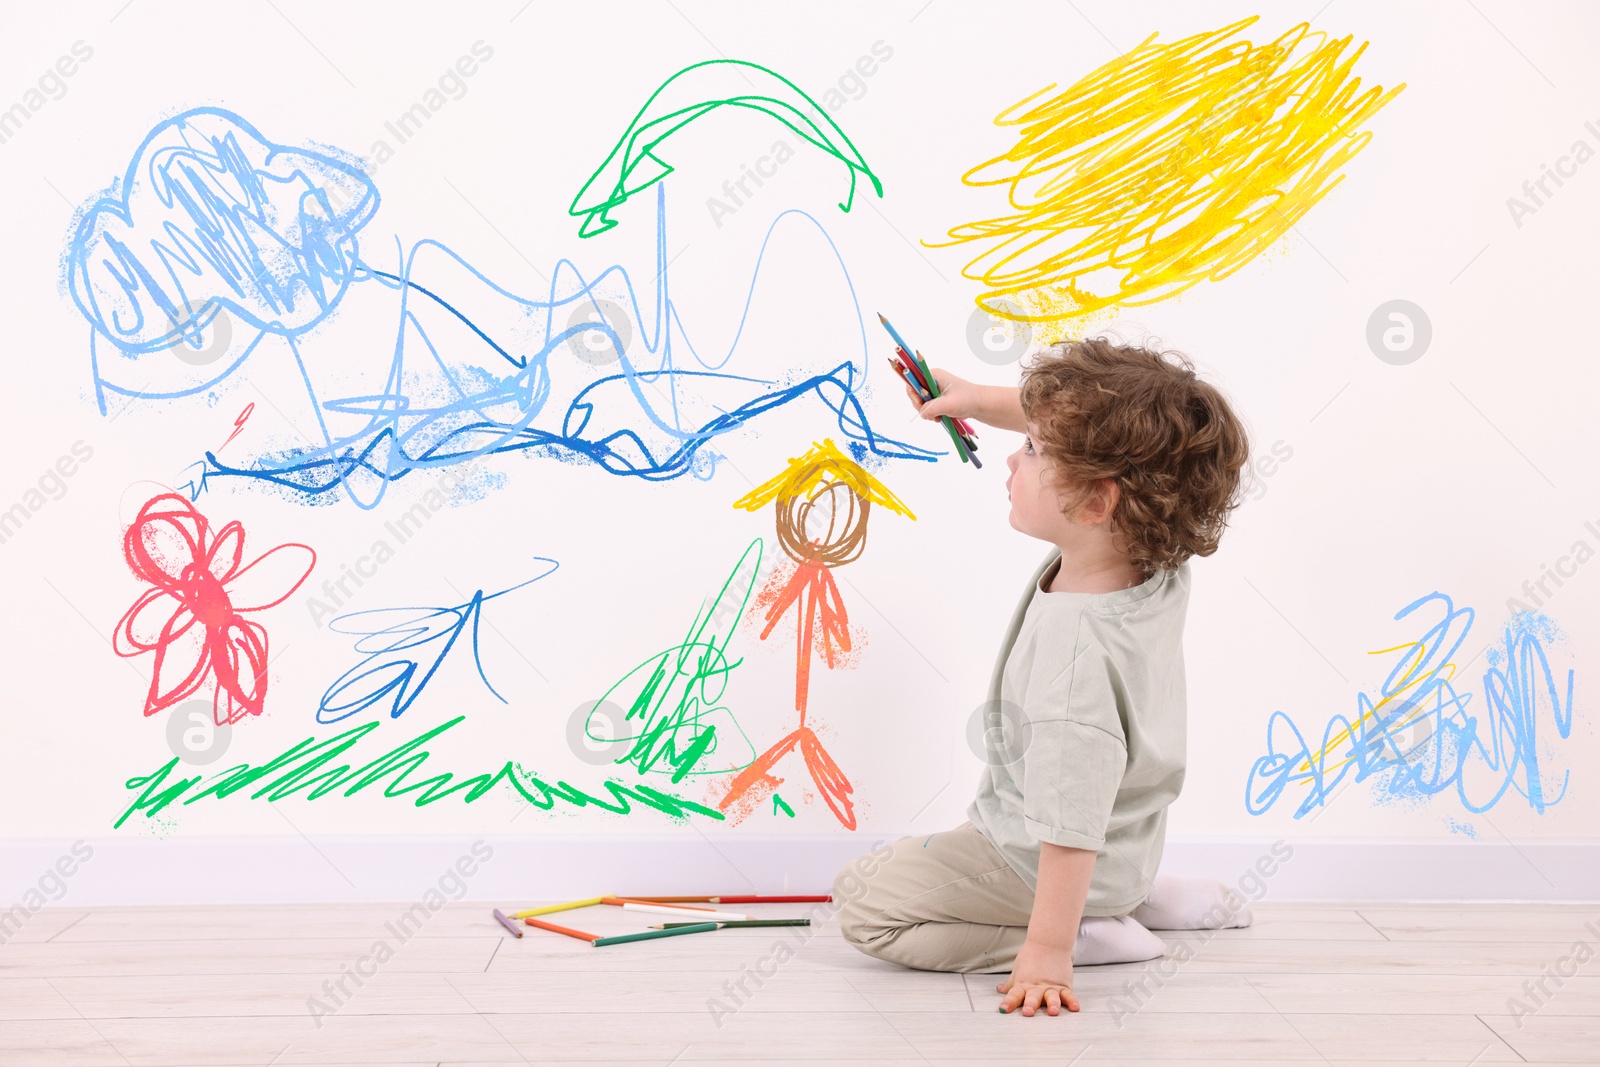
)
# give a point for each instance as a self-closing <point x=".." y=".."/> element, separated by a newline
<point x="1168" y="440"/>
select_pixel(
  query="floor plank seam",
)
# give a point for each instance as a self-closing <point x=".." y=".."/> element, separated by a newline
<point x="67" y="927"/>
<point x="1496" y="1039"/>
<point x="1374" y="926"/>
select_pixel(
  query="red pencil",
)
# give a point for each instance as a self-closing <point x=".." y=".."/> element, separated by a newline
<point x="773" y="900"/>
<point x="922" y="381"/>
<point x="911" y="366"/>
<point x="569" y="931"/>
<point x="905" y="376"/>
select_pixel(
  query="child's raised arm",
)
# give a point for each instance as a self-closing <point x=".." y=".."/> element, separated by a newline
<point x="998" y="405"/>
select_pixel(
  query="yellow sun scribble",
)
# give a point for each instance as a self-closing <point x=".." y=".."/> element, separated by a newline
<point x="823" y="464"/>
<point x="1168" y="165"/>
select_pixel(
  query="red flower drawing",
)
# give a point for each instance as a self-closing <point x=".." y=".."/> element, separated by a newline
<point x="192" y="617"/>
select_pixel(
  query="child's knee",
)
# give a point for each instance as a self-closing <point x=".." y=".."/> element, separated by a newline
<point x="849" y="889"/>
<point x="851" y="895"/>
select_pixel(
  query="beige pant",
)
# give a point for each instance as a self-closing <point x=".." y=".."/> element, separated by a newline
<point x="939" y="902"/>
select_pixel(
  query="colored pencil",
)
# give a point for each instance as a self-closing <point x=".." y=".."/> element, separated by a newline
<point x="737" y="900"/>
<point x="500" y="917"/>
<point x="679" y="912"/>
<point x="645" y="935"/>
<point x="916" y="374"/>
<point x="933" y="387"/>
<point x="619" y="901"/>
<point x="547" y="909"/>
<point x="901" y="341"/>
<point x="913" y="377"/>
<point x="927" y="377"/>
<point x="916" y="386"/>
<point x="824" y="898"/>
<point x="569" y="931"/>
<point x="912" y="371"/>
<point x="742" y="922"/>
<point x="924" y="373"/>
<point x="901" y="350"/>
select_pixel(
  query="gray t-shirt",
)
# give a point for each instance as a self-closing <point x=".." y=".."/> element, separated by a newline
<point x="1087" y="728"/>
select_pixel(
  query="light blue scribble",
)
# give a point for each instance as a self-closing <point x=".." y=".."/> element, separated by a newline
<point x="212" y="219"/>
<point x="1420" y="736"/>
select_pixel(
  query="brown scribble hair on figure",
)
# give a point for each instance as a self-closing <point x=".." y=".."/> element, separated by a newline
<point x="1145" y="420"/>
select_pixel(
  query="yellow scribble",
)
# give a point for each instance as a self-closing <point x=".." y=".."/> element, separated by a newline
<point x="1168" y="165"/>
<point x="823" y="464"/>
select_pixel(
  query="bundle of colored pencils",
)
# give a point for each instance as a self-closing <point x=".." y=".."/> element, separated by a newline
<point x="916" y="373"/>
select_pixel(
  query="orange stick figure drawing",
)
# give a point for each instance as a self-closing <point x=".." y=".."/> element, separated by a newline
<point x="822" y="503"/>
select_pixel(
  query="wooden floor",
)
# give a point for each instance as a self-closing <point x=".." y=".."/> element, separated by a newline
<point x="1306" y="984"/>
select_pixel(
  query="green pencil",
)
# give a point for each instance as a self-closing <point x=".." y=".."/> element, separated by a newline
<point x="738" y="922"/>
<point x="645" y="935"/>
<point x="933" y="387"/>
<point x="949" y="424"/>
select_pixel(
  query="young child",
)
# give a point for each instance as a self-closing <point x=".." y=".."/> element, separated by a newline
<point x="1129" y="465"/>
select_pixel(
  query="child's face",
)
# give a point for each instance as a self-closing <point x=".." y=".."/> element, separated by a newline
<point x="1035" y="505"/>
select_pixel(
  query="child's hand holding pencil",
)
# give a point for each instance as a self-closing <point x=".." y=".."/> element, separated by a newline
<point x="924" y="386"/>
<point x="994" y="405"/>
<point x="958" y="398"/>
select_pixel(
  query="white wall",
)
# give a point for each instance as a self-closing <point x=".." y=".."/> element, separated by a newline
<point x="1463" y="472"/>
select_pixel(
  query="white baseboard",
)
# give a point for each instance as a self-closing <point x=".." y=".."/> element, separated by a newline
<point x="124" y="871"/>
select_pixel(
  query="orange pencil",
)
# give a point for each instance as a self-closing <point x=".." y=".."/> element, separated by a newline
<point x="645" y="900"/>
<point x="823" y="898"/>
<point x="672" y="900"/>
<point x="569" y="931"/>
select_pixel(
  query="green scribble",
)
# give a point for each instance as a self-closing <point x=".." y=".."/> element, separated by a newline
<point x="777" y="802"/>
<point x="633" y="165"/>
<point x="311" y="767"/>
<point x="678" y="689"/>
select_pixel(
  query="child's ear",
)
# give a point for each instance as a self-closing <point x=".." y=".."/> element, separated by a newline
<point x="1102" y="501"/>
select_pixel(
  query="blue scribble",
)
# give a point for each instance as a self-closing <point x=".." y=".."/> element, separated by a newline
<point x="1505" y="748"/>
<point x="212" y="217"/>
<point x="389" y="637"/>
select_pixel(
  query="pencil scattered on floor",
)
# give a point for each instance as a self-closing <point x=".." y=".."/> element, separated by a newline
<point x="741" y="922"/>
<point x="823" y="899"/>
<point x="569" y="931"/>
<point x="548" y="908"/>
<point x="703" y="914"/>
<point x="643" y="935"/>
<point x="688" y="919"/>
<point x="500" y="917"/>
